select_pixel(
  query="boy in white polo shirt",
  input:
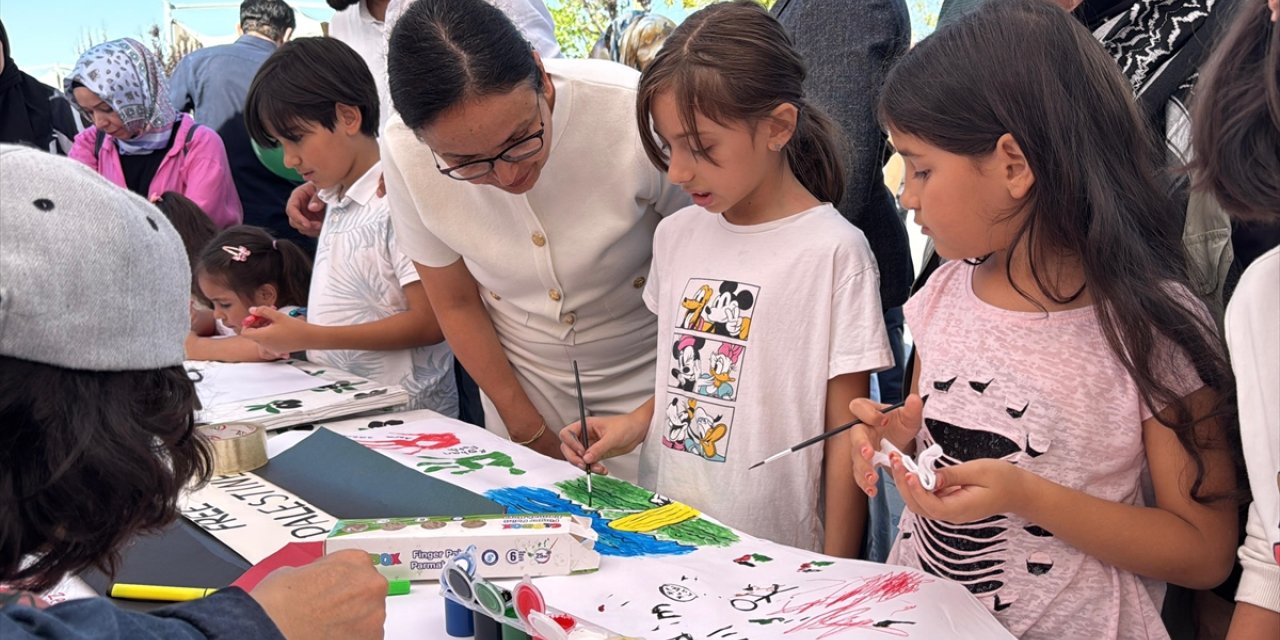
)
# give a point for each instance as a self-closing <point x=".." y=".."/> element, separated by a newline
<point x="367" y="313"/>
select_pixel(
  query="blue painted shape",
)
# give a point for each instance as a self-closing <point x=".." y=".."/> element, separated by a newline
<point x="610" y="542"/>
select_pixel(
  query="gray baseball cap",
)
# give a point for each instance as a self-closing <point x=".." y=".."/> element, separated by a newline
<point x="92" y="276"/>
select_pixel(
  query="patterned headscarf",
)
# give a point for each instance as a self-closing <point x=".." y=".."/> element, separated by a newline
<point x="127" y="76"/>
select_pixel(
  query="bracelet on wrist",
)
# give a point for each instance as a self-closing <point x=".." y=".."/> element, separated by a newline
<point x="530" y="440"/>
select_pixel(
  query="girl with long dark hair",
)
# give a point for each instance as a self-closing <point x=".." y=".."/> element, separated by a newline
<point x="1077" y="389"/>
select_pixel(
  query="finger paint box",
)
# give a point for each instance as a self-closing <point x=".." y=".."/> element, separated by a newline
<point x="507" y="546"/>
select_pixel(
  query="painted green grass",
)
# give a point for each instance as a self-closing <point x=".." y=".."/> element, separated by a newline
<point x="613" y="494"/>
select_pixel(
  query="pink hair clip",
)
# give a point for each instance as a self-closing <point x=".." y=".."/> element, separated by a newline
<point x="238" y="254"/>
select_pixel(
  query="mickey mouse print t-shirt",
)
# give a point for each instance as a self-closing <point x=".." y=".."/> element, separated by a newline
<point x="1028" y="388"/>
<point x="752" y="323"/>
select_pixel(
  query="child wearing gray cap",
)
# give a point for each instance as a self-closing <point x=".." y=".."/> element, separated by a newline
<point x="96" y="419"/>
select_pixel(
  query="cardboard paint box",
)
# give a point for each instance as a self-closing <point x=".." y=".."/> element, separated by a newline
<point x="507" y="546"/>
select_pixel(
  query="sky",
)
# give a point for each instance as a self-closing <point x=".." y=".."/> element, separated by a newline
<point x="48" y="32"/>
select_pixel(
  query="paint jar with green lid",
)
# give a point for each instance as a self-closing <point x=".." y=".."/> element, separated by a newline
<point x="511" y="632"/>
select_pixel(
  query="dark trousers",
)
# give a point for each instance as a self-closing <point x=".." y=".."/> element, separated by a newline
<point x="469" y="409"/>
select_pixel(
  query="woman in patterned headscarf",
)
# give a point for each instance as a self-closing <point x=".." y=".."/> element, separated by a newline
<point x="138" y="140"/>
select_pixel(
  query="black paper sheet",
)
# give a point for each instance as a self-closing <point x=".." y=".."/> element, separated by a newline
<point x="328" y="470"/>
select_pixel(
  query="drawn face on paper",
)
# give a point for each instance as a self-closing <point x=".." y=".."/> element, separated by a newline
<point x="678" y="592"/>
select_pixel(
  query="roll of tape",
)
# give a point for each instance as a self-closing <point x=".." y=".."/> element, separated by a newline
<point x="237" y="446"/>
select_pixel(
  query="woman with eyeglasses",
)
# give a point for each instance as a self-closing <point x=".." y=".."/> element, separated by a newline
<point x="520" y="189"/>
<point x="138" y="140"/>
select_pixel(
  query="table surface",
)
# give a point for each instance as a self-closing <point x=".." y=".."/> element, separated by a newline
<point x="951" y="610"/>
<point x="817" y="607"/>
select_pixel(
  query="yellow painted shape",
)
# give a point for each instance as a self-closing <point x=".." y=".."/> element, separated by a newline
<point x="653" y="519"/>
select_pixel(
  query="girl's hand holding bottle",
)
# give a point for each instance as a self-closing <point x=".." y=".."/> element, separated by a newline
<point x="967" y="492"/>
<point x="278" y="332"/>
<point x="898" y="427"/>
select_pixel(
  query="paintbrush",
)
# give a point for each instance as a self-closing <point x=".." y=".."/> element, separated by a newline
<point x="818" y="438"/>
<point x="582" y="413"/>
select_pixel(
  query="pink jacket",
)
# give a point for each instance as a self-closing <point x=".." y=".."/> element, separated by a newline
<point x="202" y="174"/>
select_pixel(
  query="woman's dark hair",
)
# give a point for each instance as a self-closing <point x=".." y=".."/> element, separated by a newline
<point x="88" y="459"/>
<point x="300" y="86"/>
<point x="1027" y="68"/>
<point x="271" y="18"/>
<point x="1235" y="118"/>
<point x="444" y="52"/>
<point x="280" y="263"/>
<point x="733" y="62"/>
<point x="193" y="226"/>
<point x="340" y="5"/>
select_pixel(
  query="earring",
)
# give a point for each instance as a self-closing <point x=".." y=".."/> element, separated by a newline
<point x="775" y="147"/>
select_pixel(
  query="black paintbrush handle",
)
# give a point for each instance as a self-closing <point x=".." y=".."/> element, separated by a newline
<point x="582" y="408"/>
<point x="838" y="430"/>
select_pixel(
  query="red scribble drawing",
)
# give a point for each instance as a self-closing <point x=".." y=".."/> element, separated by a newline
<point x="837" y="605"/>
<point x="411" y="445"/>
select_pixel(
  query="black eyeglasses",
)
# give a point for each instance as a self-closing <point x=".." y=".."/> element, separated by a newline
<point x="518" y="151"/>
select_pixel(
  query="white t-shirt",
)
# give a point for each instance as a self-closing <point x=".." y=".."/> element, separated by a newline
<point x="752" y="323"/>
<point x="562" y="267"/>
<point x="356" y="27"/>
<point x="359" y="276"/>
<point x="1253" y="335"/>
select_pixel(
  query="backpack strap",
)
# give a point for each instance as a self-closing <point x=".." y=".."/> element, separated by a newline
<point x="191" y="133"/>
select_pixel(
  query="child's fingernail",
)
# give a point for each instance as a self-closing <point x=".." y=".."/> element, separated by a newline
<point x="871" y="477"/>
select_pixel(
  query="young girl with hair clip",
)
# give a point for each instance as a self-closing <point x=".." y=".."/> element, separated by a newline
<point x="245" y="267"/>
<point x="1236" y="136"/>
<point x="1077" y="389"/>
<point x="767" y="299"/>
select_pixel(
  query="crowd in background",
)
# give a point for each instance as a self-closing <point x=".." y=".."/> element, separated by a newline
<point x="698" y="217"/>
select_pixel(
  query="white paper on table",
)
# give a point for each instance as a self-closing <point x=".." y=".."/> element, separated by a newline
<point x="71" y="587"/>
<point x="252" y="516"/>
<point x="221" y="383"/>
<point x="711" y="594"/>
<point x="330" y="394"/>
<point x="751" y="588"/>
